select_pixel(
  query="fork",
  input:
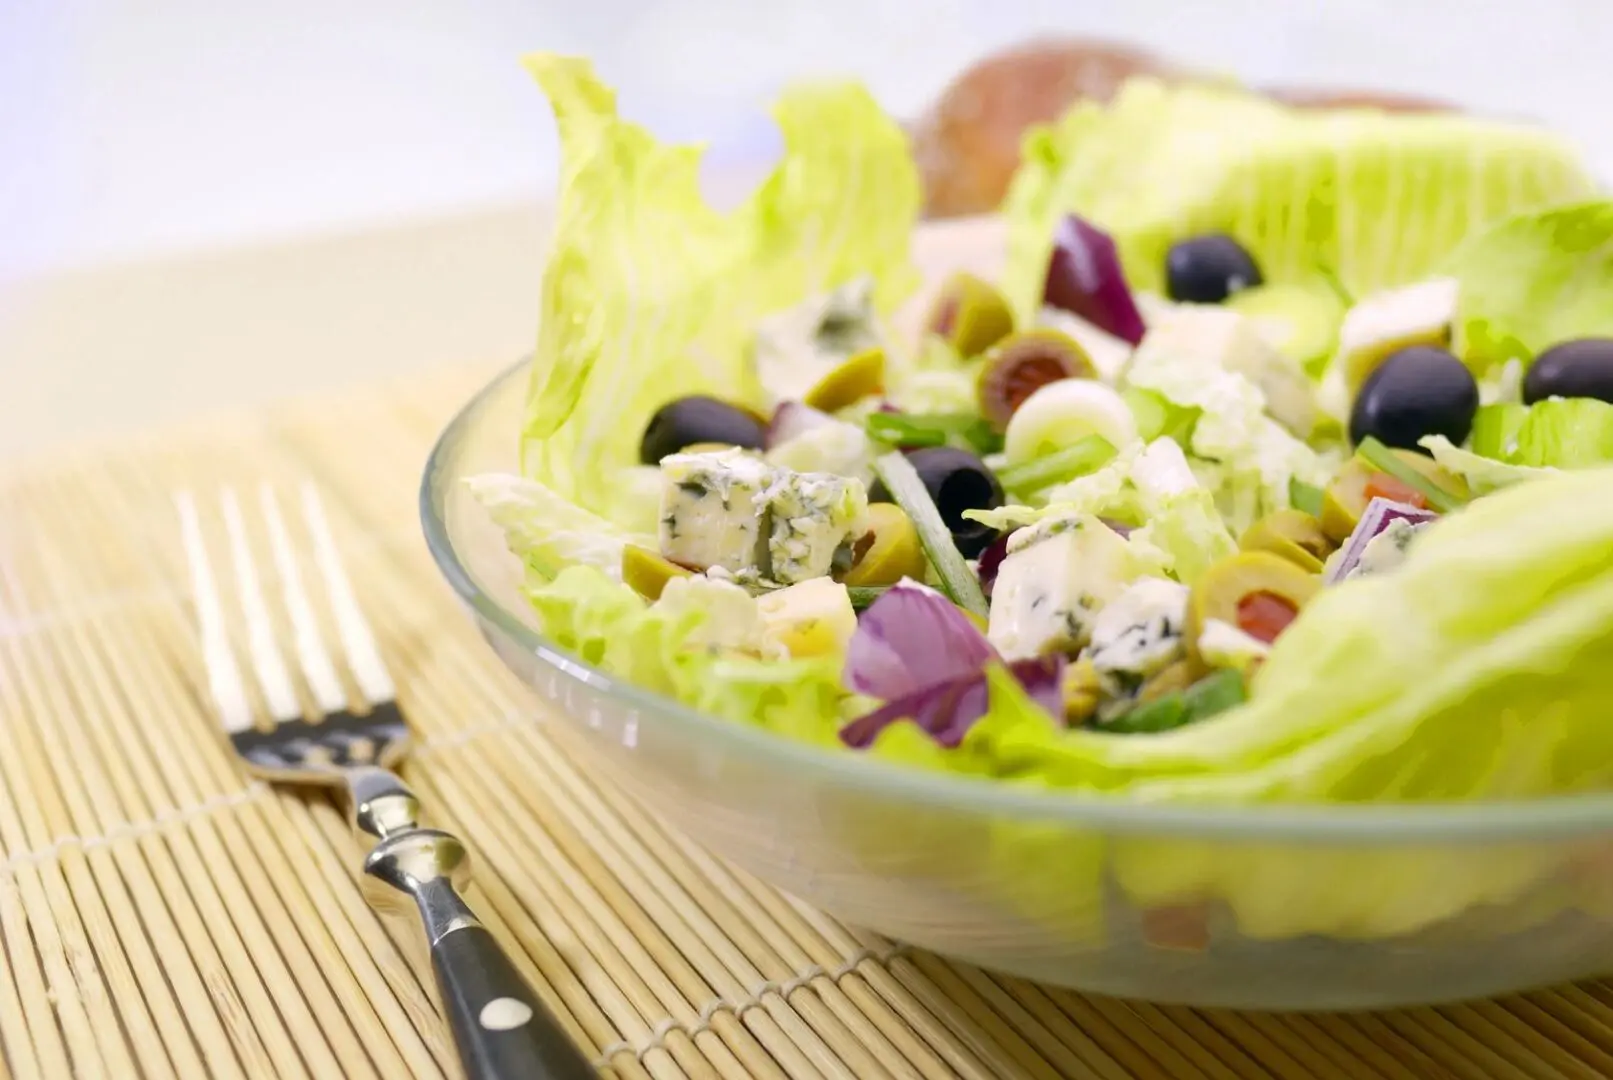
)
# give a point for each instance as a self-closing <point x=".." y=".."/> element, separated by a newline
<point x="500" y="1027"/>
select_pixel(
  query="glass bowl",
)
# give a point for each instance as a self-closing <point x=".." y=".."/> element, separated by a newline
<point x="1294" y="907"/>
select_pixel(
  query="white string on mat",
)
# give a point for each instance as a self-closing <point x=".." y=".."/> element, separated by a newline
<point x="757" y="996"/>
<point x="132" y="830"/>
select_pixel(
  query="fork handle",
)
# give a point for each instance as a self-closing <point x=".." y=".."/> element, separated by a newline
<point x="501" y="1028"/>
<point x="503" y="1031"/>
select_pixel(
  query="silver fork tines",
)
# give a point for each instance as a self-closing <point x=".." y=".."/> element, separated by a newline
<point x="295" y="748"/>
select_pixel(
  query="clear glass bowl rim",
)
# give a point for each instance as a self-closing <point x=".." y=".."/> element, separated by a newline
<point x="1553" y="817"/>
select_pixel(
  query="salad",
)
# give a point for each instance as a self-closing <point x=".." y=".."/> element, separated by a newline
<point x="1275" y="465"/>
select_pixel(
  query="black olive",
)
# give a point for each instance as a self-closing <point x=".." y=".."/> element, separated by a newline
<point x="957" y="481"/>
<point x="1582" y="369"/>
<point x="1416" y="392"/>
<point x="1208" y="269"/>
<point x="692" y="420"/>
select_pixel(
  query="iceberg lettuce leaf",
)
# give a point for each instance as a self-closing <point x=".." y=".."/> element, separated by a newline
<point x="651" y="294"/>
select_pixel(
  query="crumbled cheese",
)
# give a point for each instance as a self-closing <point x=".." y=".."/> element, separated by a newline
<point x="1387" y="550"/>
<point x="1053" y="583"/>
<point x="713" y="510"/>
<point x="1140" y="631"/>
<point x="735" y="515"/>
<point x="1222" y="645"/>
<point x="813" y="516"/>
<point x="813" y="618"/>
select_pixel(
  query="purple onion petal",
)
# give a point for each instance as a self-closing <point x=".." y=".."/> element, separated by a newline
<point x="1378" y="515"/>
<point x="911" y="638"/>
<point x="1043" y="680"/>
<point x="991" y="560"/>
<point x="1085" y="278"/>
<point x="947" y="710"/>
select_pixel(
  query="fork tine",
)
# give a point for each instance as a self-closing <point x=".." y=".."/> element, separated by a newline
<point x="223" y="676"/>
<point x="273" y="675"/>
<point x="363" y="656"/>
<point x="312" y="655"/>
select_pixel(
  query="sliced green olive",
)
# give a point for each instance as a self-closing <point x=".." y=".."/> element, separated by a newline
<point x="1290" y="534"/>
<point x="1082" y="689"/>
<point x="860" y="376"/>
<point x="970" y="314"/>
<point x="1255" y="591"/>
<point x="893" y="550"/>
<point x="1022" y="364"/>
<point x="647" y="573"/>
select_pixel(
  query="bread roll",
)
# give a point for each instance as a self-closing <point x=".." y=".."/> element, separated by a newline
<point x="967" y="144"/>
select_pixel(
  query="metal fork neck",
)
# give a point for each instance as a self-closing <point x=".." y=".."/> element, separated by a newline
<point x="383" y="806"/>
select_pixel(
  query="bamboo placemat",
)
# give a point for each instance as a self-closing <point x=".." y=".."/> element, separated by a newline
<point x="162" y="916"/>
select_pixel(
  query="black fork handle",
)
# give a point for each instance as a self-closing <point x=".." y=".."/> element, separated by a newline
<point x="500" y="1026"/>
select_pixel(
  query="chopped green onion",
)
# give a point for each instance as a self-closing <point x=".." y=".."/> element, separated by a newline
<point x="1215" y="693"/>
<point x="1386" y="461"/>
<point x="932" y="429"/>
<point x="1083" y="457"/>
<point x="1305" y="497"/>
<point x="956" y="579"/>
<point x="864" y="595"/>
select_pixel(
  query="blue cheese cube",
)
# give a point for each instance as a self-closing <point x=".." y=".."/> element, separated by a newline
<point x="1050" y="588"/>
<point x="814" y="518"/>
<point x="714" y="510"/>
<point x="1139" y="632"/>
<point x="1387" y="550"/>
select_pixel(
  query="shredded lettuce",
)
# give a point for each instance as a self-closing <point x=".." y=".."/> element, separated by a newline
<point x="1376" y="199"/>
<point x="1151" y="486"/>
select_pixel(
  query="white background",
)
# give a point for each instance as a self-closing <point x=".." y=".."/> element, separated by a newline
<point x="133" y="127"/>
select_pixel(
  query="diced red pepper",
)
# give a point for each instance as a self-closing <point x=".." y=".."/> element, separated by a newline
<point x="1264" y="615"/>
<point x="1383" y="486"/>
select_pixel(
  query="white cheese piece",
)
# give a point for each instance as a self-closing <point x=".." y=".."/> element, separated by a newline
<point x="1056" y="578"/>
<point x="714" y="510"/>
<point x="812" y="618"/>
<point x="794" y="350"/>
<point x="1218" y="337"/>
<point x="1222" y="645"/>
<point x="1387" y="550"/>
<point x="812" y="517"/>
<point x="1387" y="322"/>
<point x="1140" y="631"/>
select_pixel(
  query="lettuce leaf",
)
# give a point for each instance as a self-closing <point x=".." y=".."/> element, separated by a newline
<point x="547" y="532"/>
<point x="1532" y="281"/>
<point x="1565" y="433"/>
<point x="1377" y="199"/>
<point x="677" y="647"/>
<point x="1483" y="474"/>
<point x="651" y="294"/>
